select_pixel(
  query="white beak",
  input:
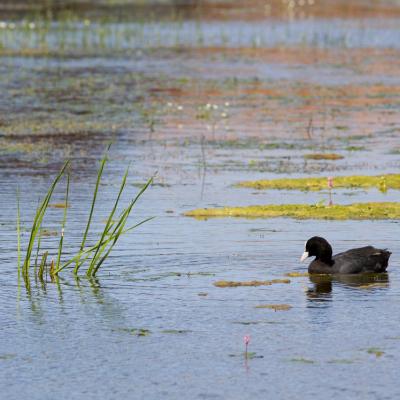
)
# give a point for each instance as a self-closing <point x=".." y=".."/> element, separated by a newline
<point x="304" y="256"/>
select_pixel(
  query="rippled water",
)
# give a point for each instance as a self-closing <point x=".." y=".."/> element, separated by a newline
<point x="78" y="338"/>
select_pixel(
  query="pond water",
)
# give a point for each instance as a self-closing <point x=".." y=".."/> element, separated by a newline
<point x="152" y="324"/>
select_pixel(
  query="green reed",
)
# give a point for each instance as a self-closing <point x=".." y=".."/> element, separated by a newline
<point x="60" y="246"/>
<point x="94" y="255"/>
<point x="96" y="189"/>
<point x="37" y="222"/>
<point x="18" y="235"/>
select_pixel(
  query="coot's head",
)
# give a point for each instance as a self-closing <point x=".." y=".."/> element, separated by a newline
<point x="318" y="247"/>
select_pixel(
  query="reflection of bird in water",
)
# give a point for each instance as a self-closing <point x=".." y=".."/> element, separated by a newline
<point x="354" y="261"/>
<point x="322" y="284"/>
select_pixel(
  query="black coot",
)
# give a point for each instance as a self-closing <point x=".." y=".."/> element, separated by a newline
<point x="354" y="261"/>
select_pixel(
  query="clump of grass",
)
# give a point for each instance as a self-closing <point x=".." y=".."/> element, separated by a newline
<point x="37" y="222"/>
<point x="94" y="255"/>
<point x="382" y="182"/>
<point x="356" y="211"/>
<point x="323" y="156"/>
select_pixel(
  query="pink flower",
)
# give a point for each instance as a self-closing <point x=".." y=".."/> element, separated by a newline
<point x="330" y="182"/>
<point x="246" y="339"/>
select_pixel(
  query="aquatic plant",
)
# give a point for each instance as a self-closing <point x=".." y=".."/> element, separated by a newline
<point x="297" y="274"/>
<point x="375" y="351"/>
<point x="323" y="156"/>
<point x="381" y="182"/>
<point x="95" y="255"/>
<point x="356" y="211"/>
<point x="275" y="307"/>
<point x="246" y="340"/>
<point x="224" y="284"/>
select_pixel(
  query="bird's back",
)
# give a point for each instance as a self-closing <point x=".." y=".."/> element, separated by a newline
<point x="363" y="259"/>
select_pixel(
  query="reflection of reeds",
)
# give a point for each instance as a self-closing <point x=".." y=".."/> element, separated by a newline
<point x="95" y="255"/>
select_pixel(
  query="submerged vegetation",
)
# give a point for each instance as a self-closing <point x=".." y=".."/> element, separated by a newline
<point x="381" y="182"/>
<point x="382" y="210"/>
<point x="93" y="255"/>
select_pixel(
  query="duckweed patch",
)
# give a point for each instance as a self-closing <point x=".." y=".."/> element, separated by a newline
<point x="323" y="156"/>
<point x="224" y="284"/>
<point x="275" y="307"/>
<point x="355" y="211"/>
<point x="382" y="182"/>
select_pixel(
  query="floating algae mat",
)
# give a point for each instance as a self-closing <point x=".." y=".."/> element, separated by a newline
<point x="275" y="307"/>
<point x="323" y="156"/>
<point x="297" y="274"/>
<point x="223" y="284"/>
<point x="382" y="210"/>
<point x="382" y="182"/>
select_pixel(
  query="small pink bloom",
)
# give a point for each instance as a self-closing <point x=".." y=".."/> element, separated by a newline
<point x="330" y="182"/>
<point x="246" y="339"/>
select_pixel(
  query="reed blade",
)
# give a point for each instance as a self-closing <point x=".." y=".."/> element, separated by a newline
<point x="18" y="235"/>
<point x="96" y="189"/>
<point x="119" y="228"/>
<point x="60" y="246"/>
<point x="98" y="251"/>
<point x="37" y="222"/>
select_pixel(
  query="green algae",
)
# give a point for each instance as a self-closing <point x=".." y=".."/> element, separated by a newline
<point x="248" y="355"/>
<point x="224" y="284"/>
<point x="275" y="307"/>
<point x="135" y="331"/>
<point x="323" y="156"/>
<point x="382" y="182"/>
<point x="340" y="361"/>
<point x="175" y="331"/>
<point x="355" y="211"/>
<point x="297" y="274"/>
<point x="375" y="351"/>
<point x="303" y="360"/>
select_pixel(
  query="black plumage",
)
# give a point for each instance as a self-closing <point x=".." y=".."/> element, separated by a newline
<point x="354" y="261"/>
